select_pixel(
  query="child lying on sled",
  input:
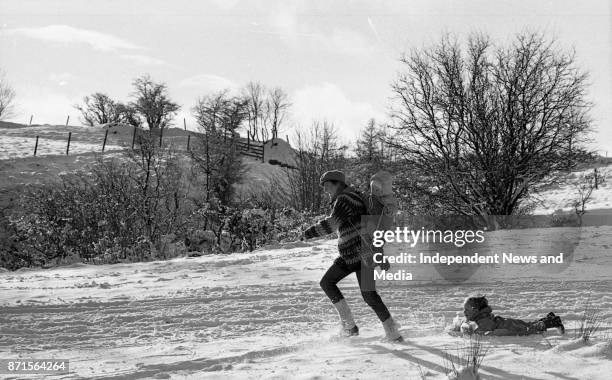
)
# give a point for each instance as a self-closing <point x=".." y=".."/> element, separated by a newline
<point x="479" y="319"/>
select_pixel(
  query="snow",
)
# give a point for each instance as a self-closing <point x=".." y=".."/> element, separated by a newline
<point x="18" y="163"/>
<point x="20" y="142"/>
<point x="563" y="196"/>
<point x="279" y="150"/>
<point x="262" y="315"/>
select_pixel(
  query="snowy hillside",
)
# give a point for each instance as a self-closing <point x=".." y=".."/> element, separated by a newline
<point x="20" y="166"/>
<point x="263" y="315"/>
<point x="18" y="140"/>
<point x="562" y="197"/>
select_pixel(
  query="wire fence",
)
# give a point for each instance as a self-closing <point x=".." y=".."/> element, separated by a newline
<point x="63" y="139"/>
<point x="182" y="139"/>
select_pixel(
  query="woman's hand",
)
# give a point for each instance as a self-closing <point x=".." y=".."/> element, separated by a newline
<point x="469" y="327"/>
<point x="385" y="266"/>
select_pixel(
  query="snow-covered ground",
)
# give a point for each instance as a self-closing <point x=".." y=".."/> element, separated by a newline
<point x="564" y="196"/>
<point x="20" y="142"/>
<point x="263" y="315"/>
<point x="19" y="165"/>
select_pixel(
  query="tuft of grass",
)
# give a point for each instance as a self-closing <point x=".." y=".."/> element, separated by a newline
<point x="590" y="322"/>
<point x="422" y="374"/>
<point x="470" y="356"/>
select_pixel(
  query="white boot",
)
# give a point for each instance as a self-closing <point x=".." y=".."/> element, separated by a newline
<point x="349" y="327"/>
<point x="391" y="330"/>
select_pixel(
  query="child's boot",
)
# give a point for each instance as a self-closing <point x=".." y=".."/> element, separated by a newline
<point x="551" y="320"/>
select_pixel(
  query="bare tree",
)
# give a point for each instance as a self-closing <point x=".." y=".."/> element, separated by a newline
<point x="129" y="115"/>
<point x="152" y="104"/>
<point x="7" y="98"/>
<point x="484" y="125"/>
<point x="219" y="116"/>
<point x="277" y="109"/>
<point x="99" y="108"/>
<point x="267" y="110"/>
<point x="372" y="155"/>
<point x="369" y="143"/>
<point x="254" y="92"/>
<point x="317" y="150"/>
<point x="210" y="111"/>
<point x="584" y="187"/>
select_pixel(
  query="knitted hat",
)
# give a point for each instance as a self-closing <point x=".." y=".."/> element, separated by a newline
<point x="333" y="175"/>
<point x="477" y="303"/>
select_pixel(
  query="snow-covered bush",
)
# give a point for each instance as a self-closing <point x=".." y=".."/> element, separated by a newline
<point x="117" y="211"/>
<point x="13" y="254"/>
<point x="255" y="228"/>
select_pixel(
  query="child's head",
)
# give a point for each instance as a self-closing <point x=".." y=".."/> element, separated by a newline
<point x="381" y="183"/>
<point x="473" y="305"/>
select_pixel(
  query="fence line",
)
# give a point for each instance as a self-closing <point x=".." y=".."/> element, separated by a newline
<point x="245" y="146"/>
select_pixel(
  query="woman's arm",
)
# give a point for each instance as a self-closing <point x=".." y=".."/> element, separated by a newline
<point x="330" y="223"/>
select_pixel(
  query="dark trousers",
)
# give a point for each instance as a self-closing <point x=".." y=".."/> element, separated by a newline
<point x="339" y="270"/>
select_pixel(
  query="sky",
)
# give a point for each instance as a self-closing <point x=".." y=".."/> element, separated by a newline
<point x="335" y="59"/>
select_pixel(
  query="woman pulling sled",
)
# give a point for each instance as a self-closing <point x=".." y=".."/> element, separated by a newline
<point x="355" y="254"/>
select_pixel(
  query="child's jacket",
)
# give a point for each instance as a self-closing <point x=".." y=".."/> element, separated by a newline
<point x="496" y="325"/>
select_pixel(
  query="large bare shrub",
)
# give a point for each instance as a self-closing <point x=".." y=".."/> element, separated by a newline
<point x="99" y="108"/>
<point x="484" y="124"/>
<point x="151" y="105"/>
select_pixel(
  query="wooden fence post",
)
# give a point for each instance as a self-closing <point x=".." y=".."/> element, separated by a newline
<point x="188" y="140"/>
<point x="36" y="146"/>
<point x="133" y="137"/>
<point x="184" y="124"/>
<point x="67" y="120"/>
<point x="31" y="117"/>
<point x="104" y="143"/>
<point x="68" y="146"/>
<point x="161" y="132"/>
